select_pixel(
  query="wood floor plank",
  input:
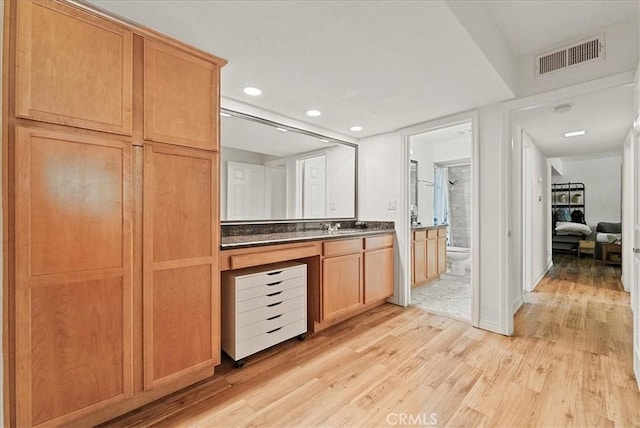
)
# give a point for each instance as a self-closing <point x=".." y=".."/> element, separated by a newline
<point x="569" y="363"/>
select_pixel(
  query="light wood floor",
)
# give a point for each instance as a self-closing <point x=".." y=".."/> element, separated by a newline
<point x="568" y="364"/>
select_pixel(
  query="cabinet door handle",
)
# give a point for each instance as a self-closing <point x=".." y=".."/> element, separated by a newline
<point x="274" y="330"/>
<point x="274" y="273"/>
<point x="274" y="317"/>
<point x="271" y="284"/>
<point x="274" y="294"/>
<point x="274" y="304"/>
<point x="636" y="250"/>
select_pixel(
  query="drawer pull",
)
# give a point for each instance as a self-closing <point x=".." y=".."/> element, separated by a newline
<point x="274" y="294"/>
<point x="271" y="284"/>
<point x="275" y="273"/>
<point x="274" y="304"/>
<point x="274" y="330"/>
<point x="274" y="317"/>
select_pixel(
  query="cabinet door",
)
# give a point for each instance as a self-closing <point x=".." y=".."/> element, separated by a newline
<point x="73" y="292"/>
<point x="180" y="97"/>
<point x="419" y="262"/>
<point x="181" y="289"/>
<point x="342" y="289"/>
<point x="442" y="255"/>
<point x="378" y="275"/>
<point x="432" y="258"/>
<point x="73" y="68"/>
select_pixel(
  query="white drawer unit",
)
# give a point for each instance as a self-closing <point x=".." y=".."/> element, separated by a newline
<point x="263" y="306"/>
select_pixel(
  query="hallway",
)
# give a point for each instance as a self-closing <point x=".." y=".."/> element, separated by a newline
<point x="568" y="364"/>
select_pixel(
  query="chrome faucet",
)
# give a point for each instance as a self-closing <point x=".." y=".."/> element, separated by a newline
<point x="330" y="228"/>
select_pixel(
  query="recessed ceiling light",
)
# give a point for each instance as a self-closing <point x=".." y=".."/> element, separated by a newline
<point x="356" y="128"/>
<point x="254" y="92"/>
<point x="562" y="108"/>
<point x="314" y="113"/>
<point x="324" y="140"/>
<point x="223" y="114"/>
<point x="575" y="133"/>
<point x="281" y="129"/>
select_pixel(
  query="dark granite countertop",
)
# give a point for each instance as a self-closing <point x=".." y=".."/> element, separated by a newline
<point x="255" y="240"/>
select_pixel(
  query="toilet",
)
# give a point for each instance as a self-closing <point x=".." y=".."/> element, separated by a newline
<point x="457" y="256"/>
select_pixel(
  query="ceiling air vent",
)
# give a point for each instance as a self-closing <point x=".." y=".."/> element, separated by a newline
<point x="591" y="49"/>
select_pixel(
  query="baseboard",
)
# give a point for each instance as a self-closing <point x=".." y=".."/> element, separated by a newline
<point x="517" y="304"/>
<point x="542" y="274"/>
<point x="491" y="326"/>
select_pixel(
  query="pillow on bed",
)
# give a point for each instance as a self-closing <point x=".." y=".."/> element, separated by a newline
<point x="566" y="227"/>
<point x="611" y="238"/>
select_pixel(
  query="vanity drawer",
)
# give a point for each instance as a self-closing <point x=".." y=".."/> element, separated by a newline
<point x="270" y="276"/>
<point x="345" y="246"/>
<point x="271" y="310"/>
<point x="275" y="297"/>
<point x="419" y="235"/>
<point x="271" y="324"/>
<point x="432" y="233"/>
<point x="268" y="339"/>
<point x="442" y="232"/>
<point x="270" y="288"/>
<point x="375" y="242"/>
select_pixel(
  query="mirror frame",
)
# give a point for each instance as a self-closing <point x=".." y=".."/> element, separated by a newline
<point x="290" y="128"/>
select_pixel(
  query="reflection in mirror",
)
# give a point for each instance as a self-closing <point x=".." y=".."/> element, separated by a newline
<point x="274" y="172"/>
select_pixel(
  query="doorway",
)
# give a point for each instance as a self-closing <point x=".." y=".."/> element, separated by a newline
<point x="442" y="208"/>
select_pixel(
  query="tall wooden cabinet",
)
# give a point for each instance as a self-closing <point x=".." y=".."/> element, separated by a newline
<point x="112" y="217"/>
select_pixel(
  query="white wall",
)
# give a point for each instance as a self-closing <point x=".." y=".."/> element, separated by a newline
<point x="455" y="150"/>
<point x="602" y="183"/>
<point x="1" y="236"/>
<point x="627" y="212"/>
<point x="494" y="256"/>
<point x="540" y="212"/>
<point x="621" y="54"/>
<point x="380" y="160"/>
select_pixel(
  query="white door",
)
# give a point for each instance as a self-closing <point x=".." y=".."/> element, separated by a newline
<point x="245" y="191"/>
<point x="635" y="294"/>
<point x="314" y="187"/>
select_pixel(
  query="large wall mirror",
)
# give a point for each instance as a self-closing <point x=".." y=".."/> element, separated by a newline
<point x="272" y="172"/>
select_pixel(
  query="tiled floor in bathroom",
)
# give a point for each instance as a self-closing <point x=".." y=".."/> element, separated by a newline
<point x="449" y="295"/>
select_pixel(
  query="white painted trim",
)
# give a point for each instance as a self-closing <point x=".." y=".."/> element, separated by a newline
<point x="517" y="304"/>
<point x="509" y="254"/>
<point x="527" y="162"/>
<point x="542" y="275"/>
<point x="492" y="326"/>
<point x="636" y="365"/>
<point x="403" y="227"/>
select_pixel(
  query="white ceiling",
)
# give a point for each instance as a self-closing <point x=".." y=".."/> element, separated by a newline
<point x="604" y="115"/>
<point x="381" y="64"/>
<point x="533" y="25"/>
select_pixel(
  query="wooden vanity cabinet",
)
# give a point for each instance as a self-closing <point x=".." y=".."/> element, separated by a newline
<point x="113" y="246"/>
<point x="428" y="254"/>
<point x="378" y="268"/>
<point x="342" y="281"/>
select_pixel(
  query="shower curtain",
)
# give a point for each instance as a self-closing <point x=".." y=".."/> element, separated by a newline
<point x="441" y="207"/>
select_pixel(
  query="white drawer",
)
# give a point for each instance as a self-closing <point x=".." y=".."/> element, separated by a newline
<point x="270" y="288"/>
<point x="271" y="276"/>
<point x="266" y="340"/>
<point x="278" y="296"/>
<point x="271" y="324"/>
<point x="273" y="309"/>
